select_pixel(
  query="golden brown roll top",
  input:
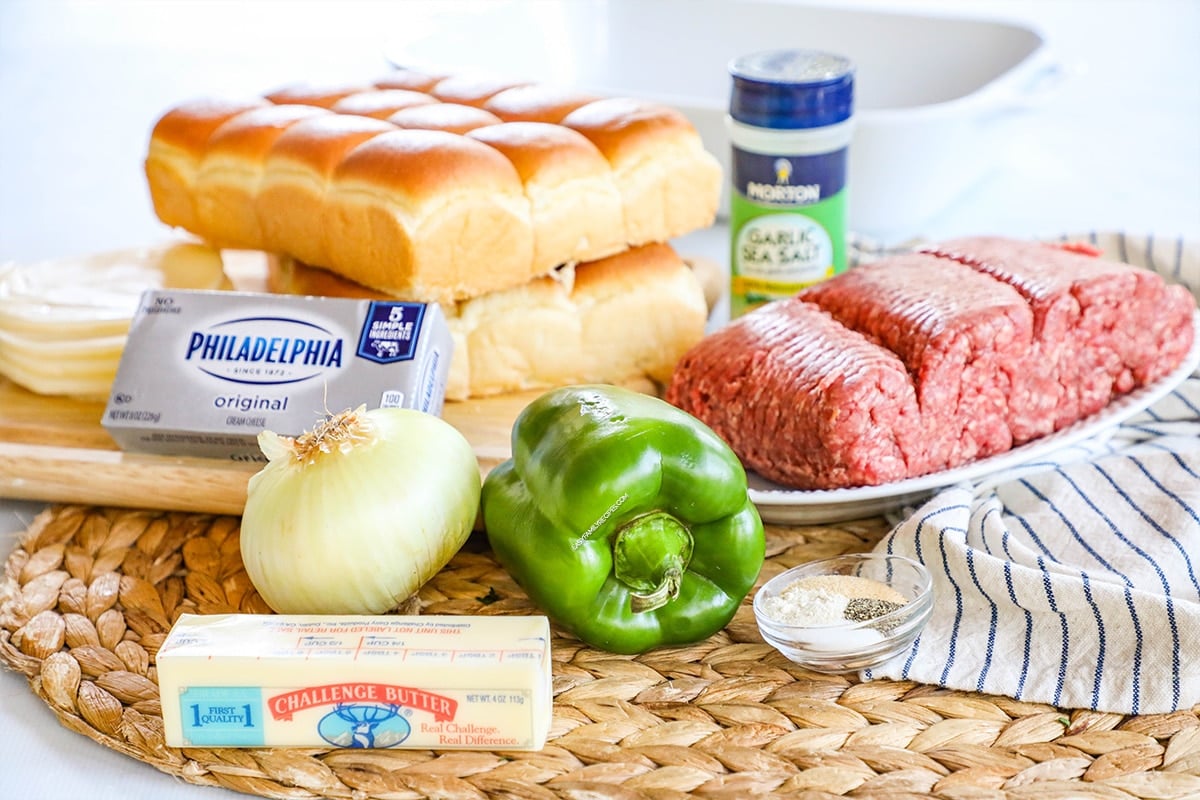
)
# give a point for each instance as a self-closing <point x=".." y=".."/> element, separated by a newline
<point x="315" y="94"/>
<point x="669" y="182"/>
<point x="413" y="79"/>
<point x="448" y="117"/>
<point x="177" y="145"/>
<point x="489" y="202"/>
<point x="430" y="215"/>
<point x="471" y="90"/>
<point x="574" y="205"/>
<point x="537" y="103"/>
<point x="291" y="197"/>
<point x="228" y="177"/>
<point x="380" y="103"/>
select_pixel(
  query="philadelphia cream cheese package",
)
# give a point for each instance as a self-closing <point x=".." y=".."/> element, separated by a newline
<point x="204" y="372"/>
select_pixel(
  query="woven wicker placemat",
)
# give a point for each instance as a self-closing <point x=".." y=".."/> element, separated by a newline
<point x="90" y="593"/>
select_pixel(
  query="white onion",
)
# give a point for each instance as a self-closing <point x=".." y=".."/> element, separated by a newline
<point x="355" y="516"/>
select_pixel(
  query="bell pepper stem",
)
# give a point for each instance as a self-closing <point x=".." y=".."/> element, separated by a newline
<point x="650" y="554"/>
<point x="667" y="591"/>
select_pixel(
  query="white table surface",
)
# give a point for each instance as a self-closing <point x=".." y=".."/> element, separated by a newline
<point x="81" y="83"/>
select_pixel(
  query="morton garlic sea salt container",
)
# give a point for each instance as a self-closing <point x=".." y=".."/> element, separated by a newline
<point x="790" y="118"/>
<point x="387" y="681"/>
<point x="203" y="373"/>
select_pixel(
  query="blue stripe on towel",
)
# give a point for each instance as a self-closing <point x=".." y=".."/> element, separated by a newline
<point x="958" y="602"/>
<point x="1153" y="523"/>
<point x="919" y="553"/>
<point x="1066" y="631"/>
<point x="1074" y="530"/>
<point x="1139" y="643"/>
<point x="1183" y="465"/>
<point x="1101" y="638"/>
<point x="1188" y="469"/>
<point x="1012" y="595"/>
<point x="908" y="662"/>
<point x="1115" y="530"/>
<point x="993" y="616"/>
<point x="1162" y="577"/>
<point x="1116" y="533"/>
<point x="1188" y="404"/>
<point x="1033" y="534"/>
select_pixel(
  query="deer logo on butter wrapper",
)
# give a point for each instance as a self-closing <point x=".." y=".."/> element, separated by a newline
<point x="364" y="725"/>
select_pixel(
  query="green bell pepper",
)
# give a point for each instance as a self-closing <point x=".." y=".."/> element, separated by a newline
<point x="625" y="519"/>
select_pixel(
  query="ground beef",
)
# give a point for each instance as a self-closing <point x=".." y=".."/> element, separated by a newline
<point x="926" y="361"/>
<point x="962" y="336"/>
<point x="1102" y="328"/>
<point x="803" y="400"/>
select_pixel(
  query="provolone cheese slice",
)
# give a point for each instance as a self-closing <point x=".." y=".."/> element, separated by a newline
<point x="97" y="295"/>
<point x="63" y="363"/>
<point x="90" y="385"/>
<point x="28" y="346"/>
<point x="64" y="323"/>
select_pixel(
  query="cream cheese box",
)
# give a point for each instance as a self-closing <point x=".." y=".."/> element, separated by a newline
<point x="204" y="372"/>
<point x="439" y="682"/>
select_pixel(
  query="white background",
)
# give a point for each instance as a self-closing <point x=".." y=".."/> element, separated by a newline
<point x="82" y="83"/>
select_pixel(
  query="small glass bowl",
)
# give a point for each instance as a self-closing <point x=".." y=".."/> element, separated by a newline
<point x="851" y="646"/>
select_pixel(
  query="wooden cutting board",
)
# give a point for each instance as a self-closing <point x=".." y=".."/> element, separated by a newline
<point x="54" y="449"/>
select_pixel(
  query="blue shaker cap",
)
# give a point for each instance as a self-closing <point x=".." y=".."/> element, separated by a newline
<point x="791" y="89"/>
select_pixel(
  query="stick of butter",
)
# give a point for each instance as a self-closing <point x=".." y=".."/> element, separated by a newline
<point x="438" y="682"/>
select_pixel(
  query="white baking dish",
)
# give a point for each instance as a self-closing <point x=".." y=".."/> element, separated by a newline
<point x="935" y="95"/>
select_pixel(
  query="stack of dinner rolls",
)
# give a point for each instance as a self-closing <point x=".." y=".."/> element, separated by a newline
<point x="538" y="217"/>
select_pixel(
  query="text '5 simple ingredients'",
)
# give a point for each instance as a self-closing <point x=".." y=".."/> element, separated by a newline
<point x="625" y="519"/>
<point x="354" y="516"/>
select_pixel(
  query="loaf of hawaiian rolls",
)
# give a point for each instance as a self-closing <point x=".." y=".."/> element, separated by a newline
<point x="448" y="203"/>
<point x="627" y="317"/>
<point x="574" y="205"/>
<point x="430" y="215"/>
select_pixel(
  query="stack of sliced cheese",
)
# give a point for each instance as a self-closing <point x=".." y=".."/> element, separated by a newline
<point x="63" y="323"/>
<point x="538" y="218"/>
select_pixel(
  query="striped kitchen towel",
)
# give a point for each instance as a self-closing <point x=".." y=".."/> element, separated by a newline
<point x="1074" y="581"/>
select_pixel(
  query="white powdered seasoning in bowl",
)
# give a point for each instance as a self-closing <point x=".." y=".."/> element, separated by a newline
<point x="828" y="600"/>
<point x="845" y="613"/>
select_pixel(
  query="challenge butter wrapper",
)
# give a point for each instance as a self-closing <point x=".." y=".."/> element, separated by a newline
<point x="203" y="373"/>
<point x="440" y="682"/>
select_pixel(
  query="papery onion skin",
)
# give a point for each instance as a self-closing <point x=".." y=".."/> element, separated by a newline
<point x="361" y="526"/>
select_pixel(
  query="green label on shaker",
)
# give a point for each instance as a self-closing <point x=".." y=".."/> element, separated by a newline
<point x="787" y="224"/>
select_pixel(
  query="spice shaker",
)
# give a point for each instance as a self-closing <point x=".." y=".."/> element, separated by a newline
<point x="790" y="122"/>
